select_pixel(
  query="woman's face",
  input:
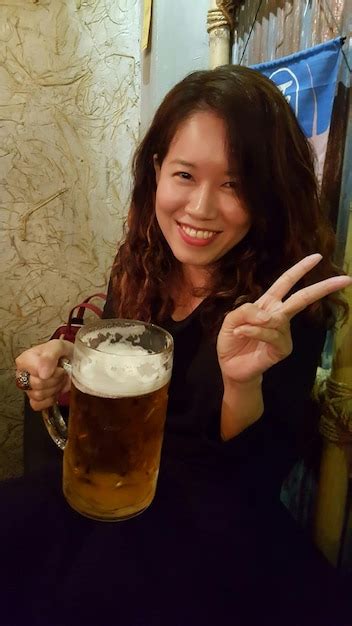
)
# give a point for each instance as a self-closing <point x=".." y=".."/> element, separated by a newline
<point x="197" y="206"/>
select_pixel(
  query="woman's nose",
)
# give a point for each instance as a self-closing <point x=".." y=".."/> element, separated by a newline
<point x="202" y="204"/>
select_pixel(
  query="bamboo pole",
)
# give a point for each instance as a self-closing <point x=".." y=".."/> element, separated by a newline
<point x="336" y="428"/>
<point x="220" y="22"/>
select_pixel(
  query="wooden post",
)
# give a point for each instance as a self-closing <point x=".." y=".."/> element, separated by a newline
<point x="220" y="23"/>
<point x="336" y="428"/>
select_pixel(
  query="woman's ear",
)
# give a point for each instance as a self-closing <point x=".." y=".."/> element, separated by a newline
<point x="156" y="167"/>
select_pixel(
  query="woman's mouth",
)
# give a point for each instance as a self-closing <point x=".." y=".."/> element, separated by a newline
<point x="196" y="236"/>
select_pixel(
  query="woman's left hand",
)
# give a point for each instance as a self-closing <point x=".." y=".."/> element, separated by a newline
<point x="254" y="337"/>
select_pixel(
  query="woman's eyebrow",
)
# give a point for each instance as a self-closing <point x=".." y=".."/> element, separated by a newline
<point x="232" y="173"/>
<point x="181" y="162"/>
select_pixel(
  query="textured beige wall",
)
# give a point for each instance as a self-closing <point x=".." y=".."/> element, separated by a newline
<point x="69" y="113"/>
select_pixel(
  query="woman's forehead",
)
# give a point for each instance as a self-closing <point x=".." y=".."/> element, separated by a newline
<point x="201" y="137"/>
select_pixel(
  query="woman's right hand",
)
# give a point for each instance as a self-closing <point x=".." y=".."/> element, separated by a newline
<point x="47" y="379"/>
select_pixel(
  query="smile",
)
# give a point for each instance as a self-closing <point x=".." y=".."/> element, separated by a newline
<point x="196" y="236"/>
<point x="197" y="233"/>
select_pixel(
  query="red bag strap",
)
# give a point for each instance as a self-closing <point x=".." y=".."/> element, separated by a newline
<point x="80" y="312"/>
<point x="82" y="307"/>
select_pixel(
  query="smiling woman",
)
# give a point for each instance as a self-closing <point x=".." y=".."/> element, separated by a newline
<point x="224" y="162"/>
<point x="227" y="248"/>
<point x="197" y="203"/>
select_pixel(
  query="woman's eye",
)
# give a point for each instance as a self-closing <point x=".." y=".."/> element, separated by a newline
<point x="231" y="184"/>
<point x="183" y="175"/>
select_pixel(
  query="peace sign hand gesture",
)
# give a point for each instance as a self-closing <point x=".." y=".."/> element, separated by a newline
<point x="256" y="336"/>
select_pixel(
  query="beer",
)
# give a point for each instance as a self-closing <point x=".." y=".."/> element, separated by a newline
<point x="117" y="412"/>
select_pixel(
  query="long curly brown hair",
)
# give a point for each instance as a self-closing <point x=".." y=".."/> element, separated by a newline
<point x="275" y="165"/>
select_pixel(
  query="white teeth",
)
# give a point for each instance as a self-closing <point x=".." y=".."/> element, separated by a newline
<point x="197" y="234"/>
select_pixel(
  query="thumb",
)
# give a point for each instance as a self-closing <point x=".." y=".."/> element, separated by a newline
<point x="50" y="355"/>
<point x="46" y="367"/>
<point x="246" y="314"/>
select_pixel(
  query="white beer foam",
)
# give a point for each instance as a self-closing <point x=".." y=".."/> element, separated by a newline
<point x="122" y="370"/>
<point x="124" y="331"/>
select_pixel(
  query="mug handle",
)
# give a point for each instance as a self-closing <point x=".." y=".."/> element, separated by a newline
<point x="53" y="420"/>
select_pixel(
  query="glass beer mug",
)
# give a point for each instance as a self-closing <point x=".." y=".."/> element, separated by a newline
<point x="120" y="373"/>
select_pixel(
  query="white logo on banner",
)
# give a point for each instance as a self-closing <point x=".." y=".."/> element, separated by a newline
<point x="286" y="85"/>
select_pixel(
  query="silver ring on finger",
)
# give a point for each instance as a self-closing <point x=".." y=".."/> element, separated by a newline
<point x="23" y="380"/>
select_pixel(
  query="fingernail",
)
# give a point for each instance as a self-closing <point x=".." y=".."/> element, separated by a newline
<point x="263" y="316"/>
<point x="343" y="279"/>
<point x="316" y="256"/>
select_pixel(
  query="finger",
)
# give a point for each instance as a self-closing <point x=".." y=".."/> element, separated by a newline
<point x="53" y="351"/>
<point x="45" y="394"/>
<point x="282" y="343"/>
<point x="43" y="404"/>
<point x="246" y="314"/>
<point x="58" y="378"/>
<point x="41" y="361"/>
<point x="280" y="288"/>
<point x="304" y="297"/>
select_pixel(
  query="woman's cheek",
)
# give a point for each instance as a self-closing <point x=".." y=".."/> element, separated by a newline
<point x="170" y="197"/>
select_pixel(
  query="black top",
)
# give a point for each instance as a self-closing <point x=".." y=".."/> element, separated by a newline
<point x="213" y="548"/>
<point x="266" y="450"/>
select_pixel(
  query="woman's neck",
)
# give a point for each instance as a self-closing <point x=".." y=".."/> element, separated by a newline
<point x="194" y="277"/>
<point x="184" y="293"/>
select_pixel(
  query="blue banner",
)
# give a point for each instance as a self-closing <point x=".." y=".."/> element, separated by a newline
<point x="307" y="79"/>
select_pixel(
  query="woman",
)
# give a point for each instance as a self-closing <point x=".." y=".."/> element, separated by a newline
<point x="224" y="224"/>
<point x="227" y="248"/>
